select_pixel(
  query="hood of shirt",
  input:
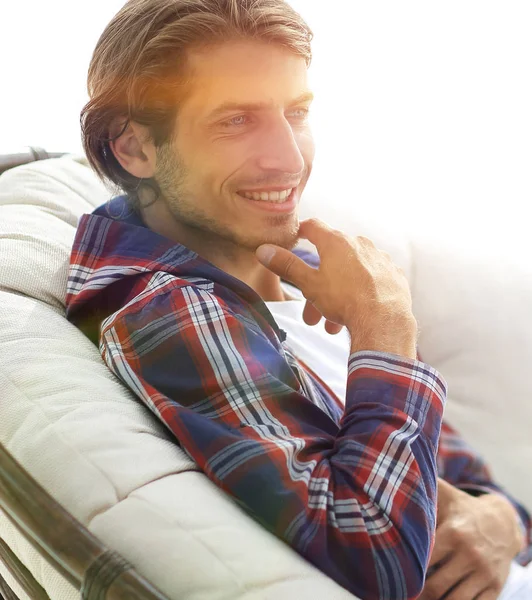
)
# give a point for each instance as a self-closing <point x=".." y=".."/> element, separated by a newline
<point x="115" y="254"/>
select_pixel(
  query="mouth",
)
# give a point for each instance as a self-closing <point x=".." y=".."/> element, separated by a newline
<point x="282" y="200"/>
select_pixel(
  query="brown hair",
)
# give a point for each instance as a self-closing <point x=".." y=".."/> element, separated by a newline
<point x="136" y="71"/>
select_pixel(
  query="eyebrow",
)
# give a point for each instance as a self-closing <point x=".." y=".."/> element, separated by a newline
<point x="226" y="107"/>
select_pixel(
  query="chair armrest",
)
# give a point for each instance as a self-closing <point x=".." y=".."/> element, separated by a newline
<point x="67" y="545"/>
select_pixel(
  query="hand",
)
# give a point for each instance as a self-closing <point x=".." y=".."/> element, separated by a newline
<point x="476" y="540"/>
<point x="356" y="285"/>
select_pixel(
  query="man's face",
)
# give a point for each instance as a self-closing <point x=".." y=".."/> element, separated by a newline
<point x="243" y="128"/>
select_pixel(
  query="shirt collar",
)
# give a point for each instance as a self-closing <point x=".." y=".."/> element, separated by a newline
<point x="156" y="247"/>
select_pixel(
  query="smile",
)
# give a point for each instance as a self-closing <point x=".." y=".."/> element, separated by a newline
<point x="284" y="201"/>
<point x="268" y="196"/>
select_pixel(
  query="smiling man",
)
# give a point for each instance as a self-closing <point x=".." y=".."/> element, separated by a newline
<point x="201" y="304"/>
<point x="240" y="167"/>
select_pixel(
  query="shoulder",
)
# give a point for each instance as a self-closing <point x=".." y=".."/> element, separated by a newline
<point x="119" y="208"/>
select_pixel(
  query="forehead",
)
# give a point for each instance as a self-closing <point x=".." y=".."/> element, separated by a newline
<point x="242" y="72"/>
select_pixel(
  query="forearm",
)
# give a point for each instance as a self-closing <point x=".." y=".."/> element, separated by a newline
<point x="388" y="439"/>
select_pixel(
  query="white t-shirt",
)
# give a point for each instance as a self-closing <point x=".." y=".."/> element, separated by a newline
<point x="324" y="353"/>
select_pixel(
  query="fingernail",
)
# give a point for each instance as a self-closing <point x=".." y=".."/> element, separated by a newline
<point x="265" y="253"/>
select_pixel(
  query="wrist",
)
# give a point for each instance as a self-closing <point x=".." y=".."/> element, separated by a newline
<point x="402" y="351"/>
<point x="399" y="339"/>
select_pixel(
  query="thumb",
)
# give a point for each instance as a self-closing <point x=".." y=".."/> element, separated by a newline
<point x="285" y="264"/>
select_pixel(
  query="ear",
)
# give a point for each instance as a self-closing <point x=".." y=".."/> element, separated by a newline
<point x="133" y="149"/>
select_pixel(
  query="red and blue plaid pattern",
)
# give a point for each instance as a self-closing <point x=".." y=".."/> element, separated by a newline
<point x="353" y="490"/>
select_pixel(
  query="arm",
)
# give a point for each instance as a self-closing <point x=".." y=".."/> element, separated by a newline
<point x="356" y="500"/>
<point x="460" y="465"/>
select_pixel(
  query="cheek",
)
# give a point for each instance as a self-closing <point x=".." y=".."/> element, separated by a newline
<point x="305" y="142"/>
<point x="232" y="166"/>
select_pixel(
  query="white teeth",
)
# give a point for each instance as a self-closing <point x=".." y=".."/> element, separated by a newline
<point x="277" y="197"/>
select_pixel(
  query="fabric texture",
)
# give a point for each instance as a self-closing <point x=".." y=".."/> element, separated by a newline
<point x="108" y="460"/>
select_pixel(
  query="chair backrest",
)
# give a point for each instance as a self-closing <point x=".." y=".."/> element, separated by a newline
<point x="24" y="156"/>
<point x="88" y="565"/>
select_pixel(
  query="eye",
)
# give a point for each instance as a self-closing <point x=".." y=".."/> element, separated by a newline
<point x="301" y="113"/>
<point x="237" y="121"/>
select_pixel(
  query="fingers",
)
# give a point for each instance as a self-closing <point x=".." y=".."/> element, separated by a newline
<point x="315" y="231"/>
<point x="489" y="594"/>
<point x="287" y="265"/>
<point x="442" y="548"/>
<point x="319" y="233"/>
<point x="311" y="315"/>
<point x="469" y="589"/>
<point x="444" y="578"/>
<point x="333" y="328"/>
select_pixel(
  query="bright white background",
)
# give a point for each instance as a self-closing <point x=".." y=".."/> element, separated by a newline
<point x="423" y="109"/>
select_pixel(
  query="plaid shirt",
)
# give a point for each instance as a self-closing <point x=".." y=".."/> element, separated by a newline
<point x="352" y="488"/>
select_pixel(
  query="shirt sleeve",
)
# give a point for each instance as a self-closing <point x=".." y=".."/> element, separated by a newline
<point x="356" y="499"/>
<point x="460" y="465"/>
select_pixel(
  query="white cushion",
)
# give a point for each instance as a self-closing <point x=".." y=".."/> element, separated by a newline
<point x="91" y="443"/>
<point x="473" y="304"/>
<point x="106" y="458"/>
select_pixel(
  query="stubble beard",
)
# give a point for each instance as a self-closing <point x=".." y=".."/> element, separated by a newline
<point x="171" y="176"/>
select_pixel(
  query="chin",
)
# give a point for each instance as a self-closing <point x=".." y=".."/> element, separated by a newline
<point x="286" y="239"/>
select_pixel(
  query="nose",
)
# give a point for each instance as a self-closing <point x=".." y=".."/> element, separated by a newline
<point x="279" y="149"/>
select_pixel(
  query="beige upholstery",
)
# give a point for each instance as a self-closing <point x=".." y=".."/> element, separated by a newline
<point x="103" y="455"/>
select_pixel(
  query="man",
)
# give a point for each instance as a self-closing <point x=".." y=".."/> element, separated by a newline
<point x="199" y="112"/>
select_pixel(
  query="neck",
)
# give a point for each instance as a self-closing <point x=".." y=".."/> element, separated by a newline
<point x="235" y="260"/>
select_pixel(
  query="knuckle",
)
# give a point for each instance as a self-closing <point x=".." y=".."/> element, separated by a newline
<point x="365" y="241"/>
<point x="430" y="591"/>
<point x="457" y="535"/>
<point x="342" y="237"/>
<point x="316" y="223"/>
<point x="289" y="265"/>
<point x="310" y="293"/>
<point x="498" y="581"/>
<point x="476" y="558"/>
<point x="433" y="590"/>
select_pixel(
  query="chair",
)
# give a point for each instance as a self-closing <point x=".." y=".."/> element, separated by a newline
<point x="80" y="451"/>
<point x="46" y="524"/>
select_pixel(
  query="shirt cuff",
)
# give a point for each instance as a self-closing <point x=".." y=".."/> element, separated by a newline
<point x="400" y="383"/>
